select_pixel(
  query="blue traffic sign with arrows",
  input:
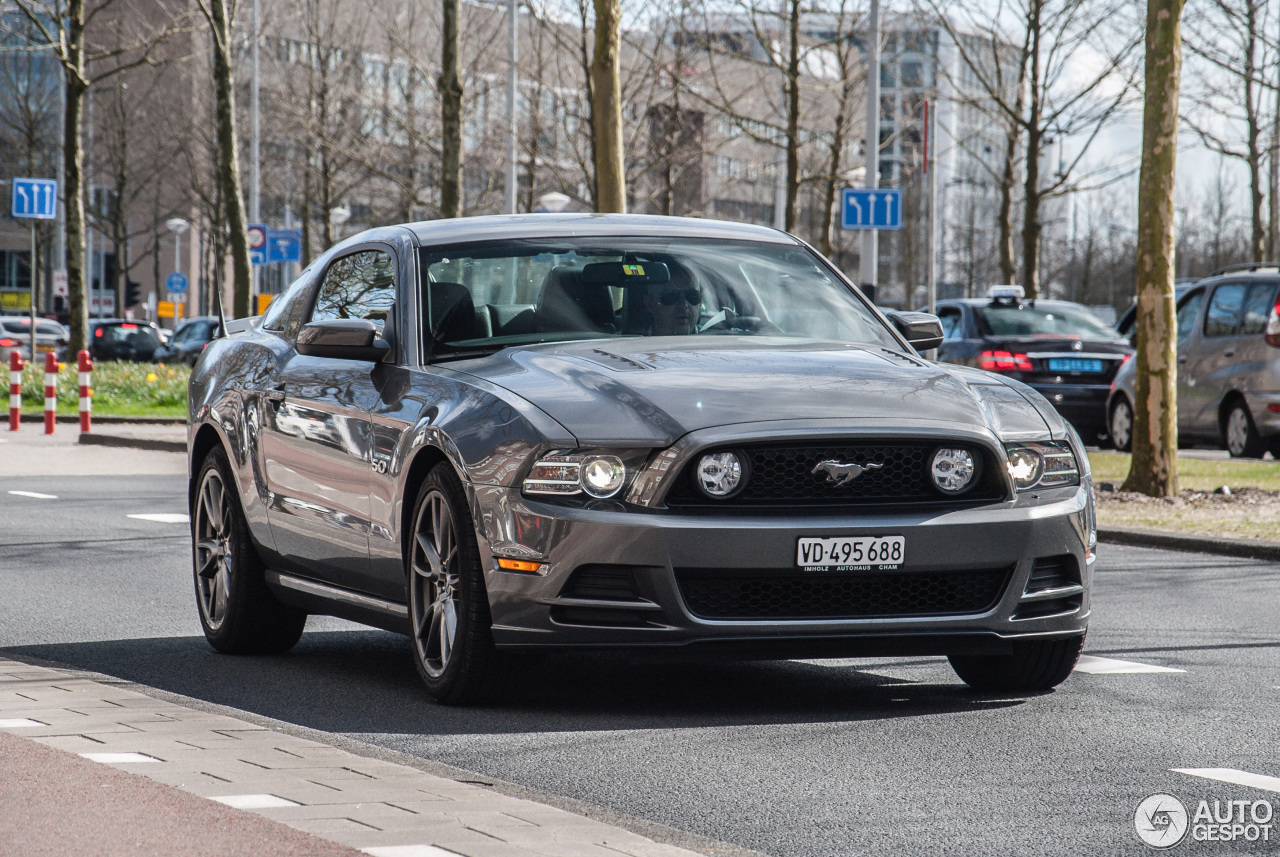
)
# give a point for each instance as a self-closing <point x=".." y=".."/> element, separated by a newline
<point x="871" y="208"/>
<point x="35" y="199"/>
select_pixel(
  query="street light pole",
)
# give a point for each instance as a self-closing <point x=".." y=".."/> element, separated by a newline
<point x="869" y="274"/>
<point x="177" y="226"/>
<point x="513" y="51"/>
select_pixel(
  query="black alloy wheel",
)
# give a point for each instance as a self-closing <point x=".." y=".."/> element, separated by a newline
<point x="448" y="604"/>
<point x="238" y="613"/>
<point x="1033" y="666"/>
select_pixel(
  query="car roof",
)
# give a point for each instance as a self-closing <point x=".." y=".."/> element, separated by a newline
<point x="517" y="226"/>
<point x="99" y="322"/>
<point x="986" y="302"/>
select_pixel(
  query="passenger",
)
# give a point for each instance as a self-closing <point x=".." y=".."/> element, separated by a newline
<point x="675" y="305"/>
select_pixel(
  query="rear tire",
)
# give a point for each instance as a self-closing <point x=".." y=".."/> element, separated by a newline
<point x="1033" y="666"/>
<point x="238" y="613"/>
<point x="1120" y="425"/>
<point x="1243" y="440"/>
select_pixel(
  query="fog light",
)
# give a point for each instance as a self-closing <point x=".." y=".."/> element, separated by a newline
<point x="602" y="476"/>
<point x="954" y="470"/>
<point x="720" y="474"/>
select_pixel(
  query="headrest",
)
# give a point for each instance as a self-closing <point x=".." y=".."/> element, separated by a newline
<point x="452" y="313"/>
<point x="567" y="302"/>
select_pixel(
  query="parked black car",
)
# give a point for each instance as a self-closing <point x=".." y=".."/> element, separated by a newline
<point x="1060" y="349"/>
<point x="123" y="339"/>
<point x="189" y="341"/>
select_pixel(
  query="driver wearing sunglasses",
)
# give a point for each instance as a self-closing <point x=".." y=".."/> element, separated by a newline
<point x="675" y="305"/>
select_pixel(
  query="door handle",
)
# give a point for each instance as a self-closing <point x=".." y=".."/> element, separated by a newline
<point x="1182" y="360"/>
<point x="1230" y="352"/>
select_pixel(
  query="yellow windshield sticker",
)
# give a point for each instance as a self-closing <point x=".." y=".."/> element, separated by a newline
<point x="633" y="270"/>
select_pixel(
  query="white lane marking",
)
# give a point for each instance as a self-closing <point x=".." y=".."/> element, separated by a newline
<point x="34" y="495"/>
<point x="163" y="518"/>
<point x="254" y="801"/>
<point x="20" y="723"/>
<point x="1107" y="666"/>
<point x="118" y="758"/>
<point x="409" y="851"/>
<point x="1231" y="775"/>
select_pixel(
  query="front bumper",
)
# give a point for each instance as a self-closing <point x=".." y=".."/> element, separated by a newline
<point x="659" y="547"/>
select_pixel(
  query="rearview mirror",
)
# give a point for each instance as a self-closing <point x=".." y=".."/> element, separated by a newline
<point x="342" y="338"/>
<point x="922" y="330"/>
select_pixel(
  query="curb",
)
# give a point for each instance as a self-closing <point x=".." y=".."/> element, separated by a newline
<point x="1245" y="548"/>
<point x="152" y="443"/>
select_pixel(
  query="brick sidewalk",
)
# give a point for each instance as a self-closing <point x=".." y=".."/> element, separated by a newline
<point x="268" y="792"/>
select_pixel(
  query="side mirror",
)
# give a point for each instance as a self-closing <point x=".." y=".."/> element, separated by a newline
<point x="922" y="330"/>
<point x="342" y="338"/>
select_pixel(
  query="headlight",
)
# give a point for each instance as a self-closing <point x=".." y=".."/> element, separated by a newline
<point x="720" y="474"/>
<point x="953" y="469"/>
<point x="567" y="473"/>
<point x="1042" y="465"/>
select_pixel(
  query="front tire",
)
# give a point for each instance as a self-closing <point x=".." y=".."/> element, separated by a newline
<point x="1243" y="440"/>
<point x="1120" y="425"/>
<point x="448" y="604"/>
<point x="238" y="613"/>
<point x="1033" y="666"/>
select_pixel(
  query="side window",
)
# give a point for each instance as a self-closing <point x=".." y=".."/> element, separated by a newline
<point x="951" y="327"/>
<point x="1257" y="308"/>
<point x="1187" y="314"/>
<point x="1224" y="310"/>
<point x="362" y="285"/>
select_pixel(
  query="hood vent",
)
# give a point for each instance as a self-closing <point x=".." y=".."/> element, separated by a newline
<point x="619" y="363"/>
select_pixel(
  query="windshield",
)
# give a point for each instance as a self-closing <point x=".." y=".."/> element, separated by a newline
<point x="489" y="295"/>
<point x="1046" y="320"/>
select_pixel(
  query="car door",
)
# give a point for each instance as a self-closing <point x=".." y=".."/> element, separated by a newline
<point x="315" y="437"/>
<point x="1209" y="361"/>
<point x="1188" y="341"/>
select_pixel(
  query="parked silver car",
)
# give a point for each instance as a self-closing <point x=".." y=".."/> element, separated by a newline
<point x="1228" y="366"/>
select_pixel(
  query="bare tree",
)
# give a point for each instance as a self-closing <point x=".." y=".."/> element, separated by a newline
<point x="67" y="30"/>
<point x="1154" y="469"/>
<point x="1227" y="42"/>
<point x="1040" y="93"/>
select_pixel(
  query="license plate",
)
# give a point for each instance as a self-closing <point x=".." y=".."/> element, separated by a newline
<point x="862" y="553"/>
<point x="1074" y="364"/>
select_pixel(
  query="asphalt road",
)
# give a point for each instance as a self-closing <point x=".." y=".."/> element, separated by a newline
<point x="883" y="757"/>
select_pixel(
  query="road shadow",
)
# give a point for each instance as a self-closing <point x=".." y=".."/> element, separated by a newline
<point x="365" y="682"/>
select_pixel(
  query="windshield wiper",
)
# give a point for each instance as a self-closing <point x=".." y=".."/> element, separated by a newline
<point x="464" y="355"/>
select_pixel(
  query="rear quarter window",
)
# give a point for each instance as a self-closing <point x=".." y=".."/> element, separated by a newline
<point x="1257" y="308"/>
<point x="1224" y="310"/>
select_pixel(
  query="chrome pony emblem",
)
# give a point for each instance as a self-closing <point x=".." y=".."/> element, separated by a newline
<point x="841" y="473"/>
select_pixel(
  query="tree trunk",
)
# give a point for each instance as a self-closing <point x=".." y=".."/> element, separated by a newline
<point x="450" y="86"/>
<point x="1154" y="470"/>
<point x="1008" y="267"/>
<point x="1035" y="139"/>
<point x="584" y="57"/>
<point x="606" y="98"/>
<point x="73" y="176"/>
<point x="1253" y="126"/>
<point x="791" y="209"/>
<point x="228" y="159"/>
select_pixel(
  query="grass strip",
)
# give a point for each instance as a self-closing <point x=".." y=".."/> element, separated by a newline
<point x="1196" y="474"/>
<point x="119" y="389"/>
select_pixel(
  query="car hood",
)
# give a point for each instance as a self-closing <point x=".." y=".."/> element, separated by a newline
<point x="650" y="391"/>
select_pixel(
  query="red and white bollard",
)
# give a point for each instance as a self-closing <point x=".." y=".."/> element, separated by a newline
<point x="85" y="367"/>
<point x="15" y="390"/>
<point x="50" y="391"/>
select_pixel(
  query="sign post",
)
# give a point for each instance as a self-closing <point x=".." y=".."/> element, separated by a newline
<point x="34" y="199"/>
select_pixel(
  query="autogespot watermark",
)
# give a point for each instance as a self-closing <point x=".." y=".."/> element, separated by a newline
<point x="1162" y="821"/>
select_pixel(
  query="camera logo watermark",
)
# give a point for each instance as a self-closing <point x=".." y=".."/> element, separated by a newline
<point x="1162" y="821"/>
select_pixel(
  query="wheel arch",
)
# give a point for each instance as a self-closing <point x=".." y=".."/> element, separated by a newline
<point x="1224" y="410"/>
<point x="207" y="438"/>
<point x="423" y="461"/>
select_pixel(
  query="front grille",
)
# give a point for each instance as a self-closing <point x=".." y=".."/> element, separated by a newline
<point x="782" y="475"/>
<point x="788" y="594"/>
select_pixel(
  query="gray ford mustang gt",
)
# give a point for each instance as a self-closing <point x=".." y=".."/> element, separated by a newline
<point x="506" y="434"/>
